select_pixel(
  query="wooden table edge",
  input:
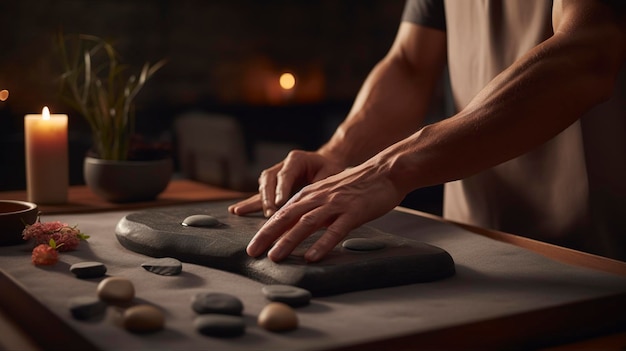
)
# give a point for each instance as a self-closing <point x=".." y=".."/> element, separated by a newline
<point x="555" y="252"/>
<point x="614" y="339"/>
<point x="178" y="192"/>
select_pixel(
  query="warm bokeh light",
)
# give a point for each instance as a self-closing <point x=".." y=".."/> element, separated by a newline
<point x="287" y="81"/>
<point x="45" y="113"/>
<point x="4" y="94"/>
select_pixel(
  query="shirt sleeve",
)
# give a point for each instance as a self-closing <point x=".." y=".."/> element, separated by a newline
<point x="429" y="13"/>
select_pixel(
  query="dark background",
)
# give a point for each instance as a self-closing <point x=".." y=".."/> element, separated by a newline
<point x="223" y="57"/>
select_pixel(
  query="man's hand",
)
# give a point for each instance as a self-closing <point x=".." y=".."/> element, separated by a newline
<point x="338" y="203"/>
<point x="390" y="106"/>
<point x="279" y="182"/>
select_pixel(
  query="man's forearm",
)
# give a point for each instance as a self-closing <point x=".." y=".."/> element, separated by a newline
<point x="540" y="95"/>
<point x="394" y="98"/>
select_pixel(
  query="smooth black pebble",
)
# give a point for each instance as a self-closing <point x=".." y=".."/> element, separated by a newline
<point x="220" y="325"/>
<point x="89" y="269"/>
<point x="291" y="295"/>
<point x="214" y="302"/>
<point x="87" y="307"/>
<point x="163" y="266"/>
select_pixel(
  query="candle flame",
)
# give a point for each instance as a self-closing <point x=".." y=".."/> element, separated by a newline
<point x="4" y="94"/>
<point x="287" y="81"/>
<point x="45" y="112"/>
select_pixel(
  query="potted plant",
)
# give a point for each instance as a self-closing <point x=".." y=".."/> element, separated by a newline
<point x="120" y="166"/>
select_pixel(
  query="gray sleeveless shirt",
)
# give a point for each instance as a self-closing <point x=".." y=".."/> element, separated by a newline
<point x="570" y="191"/>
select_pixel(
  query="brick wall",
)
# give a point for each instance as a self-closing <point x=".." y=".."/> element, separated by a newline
<point x="222" y="50"/>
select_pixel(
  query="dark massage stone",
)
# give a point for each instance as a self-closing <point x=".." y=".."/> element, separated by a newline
<point x="220" y="325"/>
<point x="157" y="232"/>
<point x="88" y="269"/>
<point x="200" y="220"/>
<point x="163" y="266"/>
<point x="87" y="307"/>
<point x="288" y="294"/>
<point x="363" y="244"/>
<point x="213" y="302"/>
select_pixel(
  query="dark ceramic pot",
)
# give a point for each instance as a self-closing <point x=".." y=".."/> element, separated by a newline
<point x="127" y="181"/>
<point x="14" y="216"/>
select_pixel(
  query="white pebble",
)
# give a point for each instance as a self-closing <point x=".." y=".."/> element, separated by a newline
<point x="116" y="289"/>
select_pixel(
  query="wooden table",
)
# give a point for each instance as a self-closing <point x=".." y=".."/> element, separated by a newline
<point x="82" y="200"/>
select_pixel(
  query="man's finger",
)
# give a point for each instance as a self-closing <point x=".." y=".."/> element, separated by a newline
<point x="249" y="205"/>
<point x="333" y="235"/>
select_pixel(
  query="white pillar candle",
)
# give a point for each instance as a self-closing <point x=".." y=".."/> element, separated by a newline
<point x="47" y="178"/>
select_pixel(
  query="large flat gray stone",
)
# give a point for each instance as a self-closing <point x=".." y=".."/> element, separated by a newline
<point x="159" y="233"/>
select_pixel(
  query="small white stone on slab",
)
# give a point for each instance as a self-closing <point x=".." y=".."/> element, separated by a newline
<point x="363" y="244"/>
<point x="201" y="220"/>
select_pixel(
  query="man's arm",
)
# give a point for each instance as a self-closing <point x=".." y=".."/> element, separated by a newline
<point x="538" y="96"/>
<point x="390" y="105"/>
<point x="394" y="98"/>
<point x="533" y="100"/>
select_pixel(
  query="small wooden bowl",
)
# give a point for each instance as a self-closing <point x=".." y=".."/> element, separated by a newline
<point x="14" y="216"/>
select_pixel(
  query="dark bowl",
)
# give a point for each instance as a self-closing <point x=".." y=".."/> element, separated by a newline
<point x="14" y="216"/>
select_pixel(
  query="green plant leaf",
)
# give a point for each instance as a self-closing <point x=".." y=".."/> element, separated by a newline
<point x="102" y="90"/>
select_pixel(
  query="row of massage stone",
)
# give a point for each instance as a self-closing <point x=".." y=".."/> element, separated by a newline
<point x="219" y="314"/>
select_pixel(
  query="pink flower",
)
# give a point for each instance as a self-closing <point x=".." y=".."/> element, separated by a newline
<point x="66" y="237"/>
<point x="45" y="255"/>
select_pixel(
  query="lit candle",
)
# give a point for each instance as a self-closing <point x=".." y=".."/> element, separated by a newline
<point x="47" y="177"/>
<point x="287" y="82"/>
